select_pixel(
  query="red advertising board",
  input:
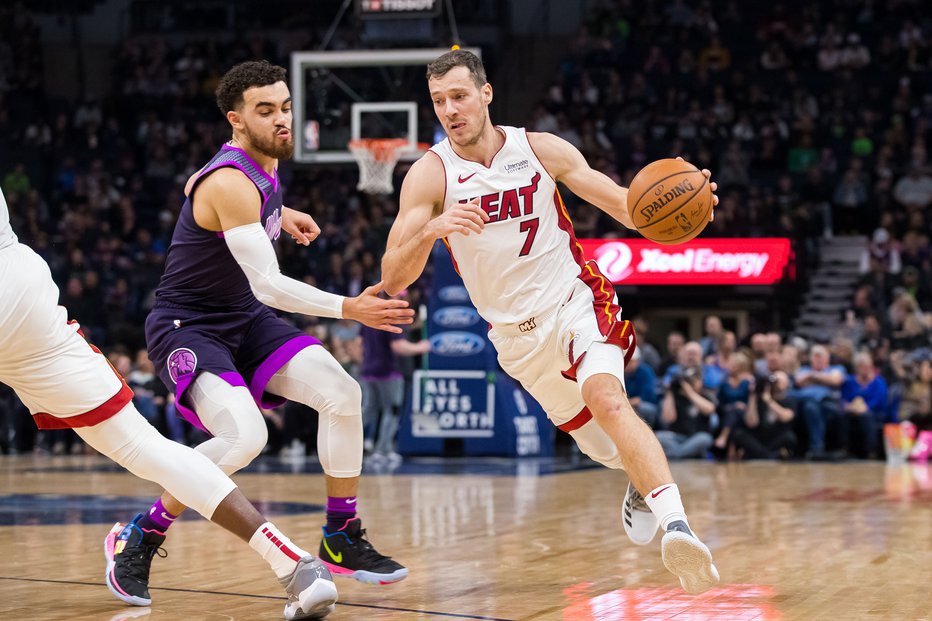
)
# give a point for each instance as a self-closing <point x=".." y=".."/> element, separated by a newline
<point x="716" y="261"/>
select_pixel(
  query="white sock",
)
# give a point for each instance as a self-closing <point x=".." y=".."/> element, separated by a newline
<point x="277" y="549"/>
<point x="666" y="504"/>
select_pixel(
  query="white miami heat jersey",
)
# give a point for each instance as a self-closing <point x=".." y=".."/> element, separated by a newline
<point x="526" y="260"/>
<point x="7" y="238"/>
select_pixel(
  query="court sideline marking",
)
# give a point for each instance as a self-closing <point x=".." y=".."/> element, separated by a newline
<point x="275" y="597"/>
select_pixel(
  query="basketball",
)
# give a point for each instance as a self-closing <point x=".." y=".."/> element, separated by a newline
<point x="670" y="201"/>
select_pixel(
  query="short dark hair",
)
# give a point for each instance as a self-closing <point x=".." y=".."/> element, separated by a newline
<point x="458" y="58"/>
<point x="244" y="76"/>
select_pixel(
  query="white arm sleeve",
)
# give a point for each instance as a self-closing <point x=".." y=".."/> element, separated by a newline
<point x="250" y="246"/>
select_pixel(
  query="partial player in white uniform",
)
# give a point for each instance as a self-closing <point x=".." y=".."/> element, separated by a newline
<point x="67" y="383"/>
<point x="7" y="237"/>
<point x="490" y="193"/>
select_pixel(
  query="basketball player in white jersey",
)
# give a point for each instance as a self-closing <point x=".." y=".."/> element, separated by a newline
<point x="490" y="193"/>
<point x="67" y="383"/>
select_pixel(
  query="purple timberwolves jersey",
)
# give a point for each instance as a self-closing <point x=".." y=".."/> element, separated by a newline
<point x="200" y="272"/>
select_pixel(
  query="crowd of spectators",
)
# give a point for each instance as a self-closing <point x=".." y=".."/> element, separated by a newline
<point x="95" y="187"/>
<point x="814" y="116"/>
<point x="766" y="397"/>
<point x="840" y="147"/>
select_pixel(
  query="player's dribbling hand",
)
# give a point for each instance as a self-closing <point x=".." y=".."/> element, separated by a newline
<point x="369" y="309"/>
<point x="464" y="218"/>
<point x="713" y="185"/>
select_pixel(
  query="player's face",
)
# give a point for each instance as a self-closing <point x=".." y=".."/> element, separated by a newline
<point x="266" y="119"/>
<point x="461" y="106"/>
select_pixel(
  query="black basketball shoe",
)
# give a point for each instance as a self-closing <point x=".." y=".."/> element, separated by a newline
<point x="129" y="551"/>
<point x="347" y="552"/>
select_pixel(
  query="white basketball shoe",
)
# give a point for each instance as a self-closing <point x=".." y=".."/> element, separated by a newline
<point x="310" y="589"/>
<point x="640" y="522"/>
<point x="688" y="559"/>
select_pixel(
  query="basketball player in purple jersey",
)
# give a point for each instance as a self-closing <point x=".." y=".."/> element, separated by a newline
<point x="490" y="193"/>
<point x="216" y="343"/>
<point x="68" y="384"/>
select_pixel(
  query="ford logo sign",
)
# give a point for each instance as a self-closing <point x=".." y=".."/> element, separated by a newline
<point x="453" y="293"/>
<point x="456" y="317"/>
<point x="456" y="343"/>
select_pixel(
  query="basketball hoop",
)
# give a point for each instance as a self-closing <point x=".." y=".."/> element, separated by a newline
<point x="377" y="158"/>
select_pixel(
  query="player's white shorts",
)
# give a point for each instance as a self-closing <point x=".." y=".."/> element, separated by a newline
<point x="63" y="380"/>
<point x="543" y="353"/>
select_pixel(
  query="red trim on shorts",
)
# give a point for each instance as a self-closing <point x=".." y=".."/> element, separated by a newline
<point x="603" y="293"/>
<point x="577" y="421"/>
<point x="93" y="417"/>
<point x="621" y="334"/>
<point x="624" y="336"/>
<point x="96" y="416"/>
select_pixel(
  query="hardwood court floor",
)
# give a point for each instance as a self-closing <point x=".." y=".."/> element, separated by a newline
<point x="500" y="541"/>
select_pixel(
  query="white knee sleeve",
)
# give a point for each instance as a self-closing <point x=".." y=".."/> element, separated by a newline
<point x="591" y="438"/>
<point x="314" y="377"/>
<point x="595" y="443"/>
<point x="231" y="415"/>
<point x="602" y="358"/>
<point x="128" y="439"/>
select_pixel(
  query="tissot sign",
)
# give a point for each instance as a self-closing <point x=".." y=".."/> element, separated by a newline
<point x="725" y="261"/>
<point x="397" y="8"/>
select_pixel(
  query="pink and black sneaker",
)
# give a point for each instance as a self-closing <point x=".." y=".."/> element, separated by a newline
<point x="129" y="551"/>
<point x="347" y="552"/>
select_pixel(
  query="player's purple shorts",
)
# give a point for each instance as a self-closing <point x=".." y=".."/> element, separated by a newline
<point x="244" y="348"/>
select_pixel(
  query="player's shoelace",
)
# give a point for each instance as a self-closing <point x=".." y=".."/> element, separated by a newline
<point x="137" y="560"/>
<point x="367" y="554"/>
<point x="637" y="501"/>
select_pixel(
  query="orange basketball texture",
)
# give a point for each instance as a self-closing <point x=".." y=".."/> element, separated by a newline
<point x="670" y="201"/>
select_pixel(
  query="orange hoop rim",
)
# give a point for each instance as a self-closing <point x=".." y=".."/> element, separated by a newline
<point x="384" y="149"/>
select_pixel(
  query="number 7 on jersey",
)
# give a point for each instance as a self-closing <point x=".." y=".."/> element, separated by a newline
<point x="529" y="227"/>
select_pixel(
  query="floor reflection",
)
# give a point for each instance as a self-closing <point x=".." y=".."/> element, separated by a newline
<point x="735" y="602"/>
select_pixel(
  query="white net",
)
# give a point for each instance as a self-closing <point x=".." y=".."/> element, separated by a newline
<point x="376" y="159"/>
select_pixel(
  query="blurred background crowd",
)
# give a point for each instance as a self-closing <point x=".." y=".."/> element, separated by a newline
<point x="815" y="119"/>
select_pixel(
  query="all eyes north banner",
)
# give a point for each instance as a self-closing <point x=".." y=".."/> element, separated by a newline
<point x="716" y="261"/>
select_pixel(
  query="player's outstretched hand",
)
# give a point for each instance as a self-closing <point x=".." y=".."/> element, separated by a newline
<point x="465" y="218"/>
<point x="300" y="226"/>
<point x="714" y="186"/>
<point x="369" y="309"/>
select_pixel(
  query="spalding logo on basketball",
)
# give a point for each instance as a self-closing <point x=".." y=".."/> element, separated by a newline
<point x="181" y="362"/>
<point x="670" y="201"/>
